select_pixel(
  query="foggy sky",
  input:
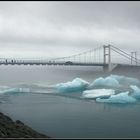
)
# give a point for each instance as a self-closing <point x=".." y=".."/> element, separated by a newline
<point x="46" y="29"/>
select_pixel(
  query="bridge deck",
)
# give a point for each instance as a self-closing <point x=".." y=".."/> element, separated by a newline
<point x="52" y="63"/>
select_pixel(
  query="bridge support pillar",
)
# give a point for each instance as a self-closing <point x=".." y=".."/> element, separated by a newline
<point x="107" y="53"/>
<point x="133" y="58"/>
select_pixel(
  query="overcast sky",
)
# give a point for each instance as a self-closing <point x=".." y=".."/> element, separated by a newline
<point x="46" y="29"/>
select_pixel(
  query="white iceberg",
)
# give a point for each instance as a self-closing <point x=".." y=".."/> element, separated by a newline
<point x="76" y="85"/>
<point x="96" y="93"/>
<point x="122" y="97"/>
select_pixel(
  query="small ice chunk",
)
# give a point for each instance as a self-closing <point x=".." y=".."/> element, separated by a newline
<point x="8" y="90"/>
<point x="14" y="90"/>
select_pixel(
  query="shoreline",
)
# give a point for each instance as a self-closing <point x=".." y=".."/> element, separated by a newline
<point x="17" y="129"/>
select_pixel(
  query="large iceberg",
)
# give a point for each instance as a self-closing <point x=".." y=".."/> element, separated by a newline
<point x="114" y="81"/>
<point x="125" y="80"/>
<point x="76" y="85"/>
<point x="96" y="93"/>
<point x="108" y="81"/>
<point x="122" y="97"/>
<point x="136" y="92"/>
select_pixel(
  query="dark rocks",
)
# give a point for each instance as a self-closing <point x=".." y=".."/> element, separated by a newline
<point x="11" y="129"/>
<point x="19" y="122"/>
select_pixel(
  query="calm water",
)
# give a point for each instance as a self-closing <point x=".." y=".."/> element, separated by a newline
<point x="65" y="116"/>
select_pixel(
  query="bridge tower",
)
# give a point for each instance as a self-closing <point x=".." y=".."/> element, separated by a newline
<point x="107" y="54"/>
<point x="133" y="57"/>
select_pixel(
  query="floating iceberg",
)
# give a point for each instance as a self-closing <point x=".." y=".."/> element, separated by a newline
<point x="76" y="85"/>
<point x="24" y="90"/>
<point x="122" y="97"/>
<point x="114" y="81"/>
<point x="125" y="80"/>
<point x="136" y="92"/>
<point x="108" y="81"/>
<point x="8" y="90"/>
<point x="96" y="93"/>
<point x="14" y="90"/>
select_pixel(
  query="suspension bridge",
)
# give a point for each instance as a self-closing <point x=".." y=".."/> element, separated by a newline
<point x="107" y="56"/>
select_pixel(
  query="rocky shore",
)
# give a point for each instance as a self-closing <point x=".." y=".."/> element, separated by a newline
<point x="17" y="129"/>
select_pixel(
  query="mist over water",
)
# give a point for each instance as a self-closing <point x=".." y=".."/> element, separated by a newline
<point x="69" y="101"/>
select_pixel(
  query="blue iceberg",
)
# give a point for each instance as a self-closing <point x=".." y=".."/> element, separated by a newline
<point x="122" y="98"/>
<point x="115" y="81"/>
<point x="136" y="92"/>
<point x="108" y="81"/>
<point x="14" y="90"/>
<point x="125" y="80"/>
<point x="76" y="85"/>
